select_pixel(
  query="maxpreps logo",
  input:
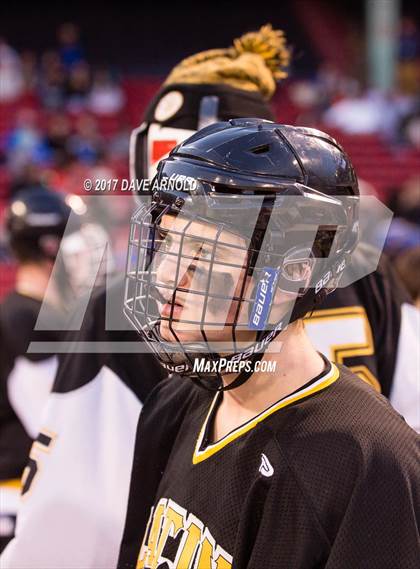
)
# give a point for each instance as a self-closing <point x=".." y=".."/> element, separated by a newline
<point x="225" y="366"/>
<point x="171" y="524"/>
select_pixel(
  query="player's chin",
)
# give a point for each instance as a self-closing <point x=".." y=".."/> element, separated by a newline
<point x="177" y="332"/>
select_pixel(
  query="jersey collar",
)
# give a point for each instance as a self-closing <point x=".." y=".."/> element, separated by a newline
<point x="203" y="451"/>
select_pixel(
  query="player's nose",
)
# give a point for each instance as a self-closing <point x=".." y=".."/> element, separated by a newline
<point x="170" y="275"/>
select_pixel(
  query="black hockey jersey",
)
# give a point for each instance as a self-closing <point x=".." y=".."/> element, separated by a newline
<point x="328" y="477"/>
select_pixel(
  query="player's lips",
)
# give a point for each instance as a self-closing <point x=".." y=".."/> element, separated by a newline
<point x="167" y="306"/>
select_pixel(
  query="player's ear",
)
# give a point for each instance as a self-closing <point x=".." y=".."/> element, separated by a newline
<point x="299" y="270"/>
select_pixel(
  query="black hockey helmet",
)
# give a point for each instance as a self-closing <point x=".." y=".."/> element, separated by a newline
<point x="35" y="222"/>
<point x="289" y="192"/>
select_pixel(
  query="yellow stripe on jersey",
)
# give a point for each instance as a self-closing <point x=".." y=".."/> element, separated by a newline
<point x="200" y="455"/>
<point x="12" y="483"/>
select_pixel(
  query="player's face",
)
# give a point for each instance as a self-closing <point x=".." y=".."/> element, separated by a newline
<point x="199" y="279"/>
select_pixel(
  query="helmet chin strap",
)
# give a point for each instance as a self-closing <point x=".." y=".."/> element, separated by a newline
<point x="245" y="374"/>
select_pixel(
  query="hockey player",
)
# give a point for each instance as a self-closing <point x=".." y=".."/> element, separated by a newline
<point x="36" y="220"/>
<point x="71" y="453"/>
<point x="50" y="236"/>
<point x="301" y="467"/>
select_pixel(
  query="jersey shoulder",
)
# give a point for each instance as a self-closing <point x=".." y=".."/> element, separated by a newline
<point x="20" y="310"/>
<point x="346" y="429"/>
<point x="384" y="282"/>
<point x="18" y="317"/>
<point x="345" y="444"/>
<point x="175" y="395"/>
<point x="352" y="407"/>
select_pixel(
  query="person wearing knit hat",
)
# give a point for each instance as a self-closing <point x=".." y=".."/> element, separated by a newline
<point x="210" y="86"/>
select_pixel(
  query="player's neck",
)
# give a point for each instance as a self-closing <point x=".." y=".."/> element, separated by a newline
<point x="32" y="280"/>
<point x="296" y="362"/>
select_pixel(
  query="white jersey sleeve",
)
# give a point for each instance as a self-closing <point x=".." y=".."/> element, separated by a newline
<point x="29" y="384"/>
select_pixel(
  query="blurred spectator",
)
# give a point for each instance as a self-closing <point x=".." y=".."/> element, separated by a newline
<point x="405" y="201"/>
<point x="29" y="70"/>
<point x="25" y="143"/>
<point x="102" y="170"/>
<point x="119" y="145"/>
<point x="404" y="233"/>
<point x="86" y="144"/>
<point x="77" y="87"/>
<point x="402" y="236"/>
<point x="52" y="80"/>
<point x="106" y="97"/>
<point x="308" y="98"/>
<point x="372" y="112"/>
<point x="12" y="82"/>
<point x="314" y="97"/>
<point x="57" y="136"/>
<point x="410" y="128"/>
<point x="408" y="267"/>
<point x="334" y="84"/>
<point x="354" y="115"/>
<point x="409" y="48"/>
<point x="69" y="178"/>
<point x="71" y="51"/>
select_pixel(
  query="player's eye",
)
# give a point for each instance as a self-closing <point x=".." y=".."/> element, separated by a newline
<point x="196" y="266"/>
<point x="297" y="270"/>
<point x="205" y="253"/>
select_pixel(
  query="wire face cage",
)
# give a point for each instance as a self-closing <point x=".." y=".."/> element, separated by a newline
<point x="186" y="274"/>
<point x="213" y="275"/>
